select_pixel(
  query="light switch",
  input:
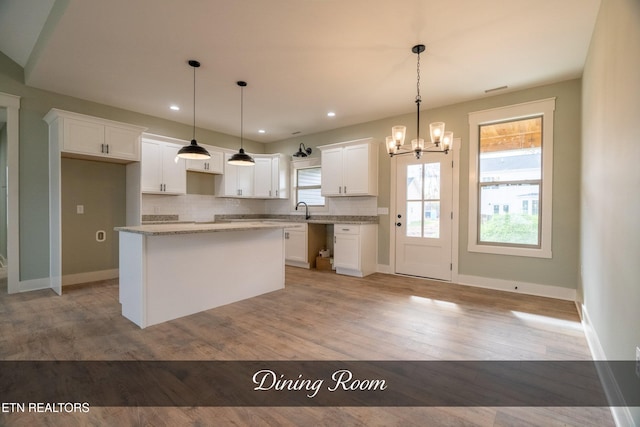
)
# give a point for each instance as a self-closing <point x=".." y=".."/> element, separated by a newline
<point x="79" y="209"/>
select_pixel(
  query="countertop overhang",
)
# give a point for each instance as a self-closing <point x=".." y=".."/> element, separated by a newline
<point x="195" y="227"/>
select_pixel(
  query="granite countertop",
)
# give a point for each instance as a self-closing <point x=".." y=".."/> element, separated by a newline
<point x="194" y="227"/>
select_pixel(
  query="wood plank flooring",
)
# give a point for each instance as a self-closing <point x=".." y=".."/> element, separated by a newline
<point x="318" y="316"/>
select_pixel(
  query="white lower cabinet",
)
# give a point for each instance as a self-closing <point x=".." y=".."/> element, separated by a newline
<point x="354" y="249"/>
<point x="303" y="243"/>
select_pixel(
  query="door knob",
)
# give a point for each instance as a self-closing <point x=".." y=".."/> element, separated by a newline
<point x="398" y="224"/>
<point x="399" y="215"/>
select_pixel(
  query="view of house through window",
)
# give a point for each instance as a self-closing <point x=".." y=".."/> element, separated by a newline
<point x="308" y="186"/>
<point x="509" y="182"/>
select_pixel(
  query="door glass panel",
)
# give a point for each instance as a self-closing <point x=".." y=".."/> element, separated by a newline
<point x="432" y="220"/>
<point x="432" y="181"/>
<point x="414" y="219"/>
<point x="414" y="182"/>
<point x="423" y="201"/>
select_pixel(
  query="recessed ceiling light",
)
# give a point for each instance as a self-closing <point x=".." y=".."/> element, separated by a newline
<point x="174" y="108"/>
<point x="262" y="131"/>
<point x="331" y="114"/>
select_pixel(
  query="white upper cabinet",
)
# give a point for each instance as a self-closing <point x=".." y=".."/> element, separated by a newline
<point x="237" y="181"/>
<point x="350" y="168"/>
<point x="81" y="136"/>
<point x="280" y="177"/>
<point x="267" y="179"/>
<point x="161" y="171"/>
<point x="262" y="177"/>
<point x="214" y="165"/>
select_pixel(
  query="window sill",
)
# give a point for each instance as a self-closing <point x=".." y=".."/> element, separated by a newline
<point x="512" y="251"/>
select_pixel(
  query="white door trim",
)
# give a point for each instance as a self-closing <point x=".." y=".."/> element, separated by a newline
<point x="393" y="170"/>
<point x="12" y="104"/>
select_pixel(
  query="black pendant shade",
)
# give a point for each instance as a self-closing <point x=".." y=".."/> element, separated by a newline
<point x="241" y="158"/>
<point x="193" y="150"/>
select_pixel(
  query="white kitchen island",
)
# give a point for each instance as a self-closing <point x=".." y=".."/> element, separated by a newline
<point x="172" y="270"/>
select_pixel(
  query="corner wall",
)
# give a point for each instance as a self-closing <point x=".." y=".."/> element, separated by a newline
<point x="610" y="181"/>
<point x="559" y="272"/>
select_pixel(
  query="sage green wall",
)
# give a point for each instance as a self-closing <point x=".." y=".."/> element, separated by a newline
<point x="610" y="243"/>
<point x="561" y="270"/>
<point x="34" y="160"/>
<point x="101" y="188"/>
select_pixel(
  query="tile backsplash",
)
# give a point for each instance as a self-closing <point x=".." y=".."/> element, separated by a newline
<point x="193" y="207"/>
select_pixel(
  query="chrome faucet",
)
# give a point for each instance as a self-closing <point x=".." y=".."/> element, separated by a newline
<point x="306" y="209"/>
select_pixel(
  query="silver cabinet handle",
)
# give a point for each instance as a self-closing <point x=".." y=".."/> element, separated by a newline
<point x="340" y="189"/>
<point x="107" y="148"/>
<point x="334" y="239"/>
<point x="345" y="189"/>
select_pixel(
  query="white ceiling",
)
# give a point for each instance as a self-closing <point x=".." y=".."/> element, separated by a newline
<point x="301" y="58"/>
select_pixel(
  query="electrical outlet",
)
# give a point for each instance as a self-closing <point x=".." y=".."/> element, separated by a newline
<point x="80" y="209"/>
<point x="638" y="362"/>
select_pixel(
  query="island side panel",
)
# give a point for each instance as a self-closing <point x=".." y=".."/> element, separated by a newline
<point x="189" y="273"/>
<point x="131" y="289"/>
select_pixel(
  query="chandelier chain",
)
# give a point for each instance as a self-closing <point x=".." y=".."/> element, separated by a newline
<point x="418" y="98"/>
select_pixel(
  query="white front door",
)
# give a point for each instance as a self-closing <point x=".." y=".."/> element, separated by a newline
<point x="423" y="216"/>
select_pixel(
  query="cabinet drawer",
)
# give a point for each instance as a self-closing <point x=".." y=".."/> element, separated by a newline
<point x="346" y="229"/>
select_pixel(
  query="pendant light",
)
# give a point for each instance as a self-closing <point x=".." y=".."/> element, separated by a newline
<point x="241" y="158"/>
<point x="440" y="140"/>
<point x="302" y="151"/>
<point x="193" y="150"/>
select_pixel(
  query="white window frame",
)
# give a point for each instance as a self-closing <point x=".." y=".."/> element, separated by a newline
<point x="313" y="162"/>
<point x="544" y="108"/>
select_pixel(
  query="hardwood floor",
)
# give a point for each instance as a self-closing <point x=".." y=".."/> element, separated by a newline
<point x="318" y="316"/>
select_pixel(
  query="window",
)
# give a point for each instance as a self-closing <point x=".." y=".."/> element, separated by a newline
<point x="307" y="184"/>
<point x="511" y="163"/>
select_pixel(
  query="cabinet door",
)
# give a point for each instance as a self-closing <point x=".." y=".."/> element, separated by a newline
<point x="83" y="137"/>
<point x="151" y="167"/>
<point x="295" y="245"/>
<point x="216" y="162"/>
<point x="230" y="178"/>
<point x="262" y="178"/>
<point x="174" y="175"/>
<point x="346" y="250"/>
<point x="122" y="143"/>
<point x="331" y="172"/>
<point x="212" y="165"/>
<point x="245" y="175"/>
<point x="280" y="178"/>
<point x="356" y="170"/>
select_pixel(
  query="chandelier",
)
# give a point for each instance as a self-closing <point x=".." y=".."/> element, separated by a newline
<point x="440" y="140"/>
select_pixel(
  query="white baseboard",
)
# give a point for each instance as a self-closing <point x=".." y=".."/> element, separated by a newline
<point x="383" y="268"/>
<point x="549" y="291"/>
<point x="90" y="276"/>
<point x="621" y="414"/>
<point x="34" y="284"/>
<point x="299" y="264"/>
